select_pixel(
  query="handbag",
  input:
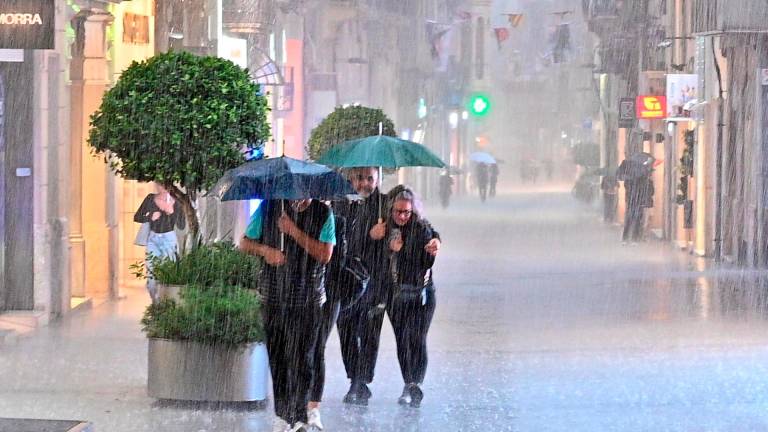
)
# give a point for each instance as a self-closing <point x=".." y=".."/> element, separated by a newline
<point x="142" y="237"/>
<point x="409" y="293"/>
<point x="349" y="283"/>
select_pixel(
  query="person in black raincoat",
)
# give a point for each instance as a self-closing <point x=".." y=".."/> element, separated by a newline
<point x="412" y="290"/>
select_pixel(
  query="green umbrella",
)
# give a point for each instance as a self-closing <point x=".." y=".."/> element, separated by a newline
<point x="381" y="151"/>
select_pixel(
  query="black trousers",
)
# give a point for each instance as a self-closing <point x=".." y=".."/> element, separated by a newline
<point x="291" y="333"/>
<point x="328" y="316"/>
<point x="633" y="223"/>
<point x="483" y="189"/>
<point x="609" y="207"/>
<point x="359" y="334"/>
<point x="411" y="320"/>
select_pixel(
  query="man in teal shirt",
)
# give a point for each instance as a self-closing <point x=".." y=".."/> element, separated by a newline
<point x="296" y="240"/>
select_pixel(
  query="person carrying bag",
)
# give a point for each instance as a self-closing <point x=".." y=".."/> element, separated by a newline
<point x="412" y="291"/>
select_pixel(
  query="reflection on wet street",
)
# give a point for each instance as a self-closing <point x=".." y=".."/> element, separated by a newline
<point x="544" y="322"/>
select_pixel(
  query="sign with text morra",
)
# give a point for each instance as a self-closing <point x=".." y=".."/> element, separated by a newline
<point x="27" y="24"/>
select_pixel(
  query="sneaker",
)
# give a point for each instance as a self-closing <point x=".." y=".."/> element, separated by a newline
<point x="363" y="392"/>
<point x="416" y="396"/>
<point x="280" y="425"/>
<point x="314" y="420"/>
<point x="351" y="396"/>
<point x="297" y="427"/>
<point x="405" y="398"/>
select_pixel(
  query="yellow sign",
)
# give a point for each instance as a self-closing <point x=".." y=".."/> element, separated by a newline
<point x="651" y="107"/>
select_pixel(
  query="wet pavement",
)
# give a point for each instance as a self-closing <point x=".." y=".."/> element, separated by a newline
<point x="544" y="323"/>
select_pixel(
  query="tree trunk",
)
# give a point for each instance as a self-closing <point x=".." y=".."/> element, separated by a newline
<point x="193" y="224"/>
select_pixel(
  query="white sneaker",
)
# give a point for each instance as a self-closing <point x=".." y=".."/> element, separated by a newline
<point x="314" y="420"/>
<point x="280" y="425"/>
<point x="297" y="427"/>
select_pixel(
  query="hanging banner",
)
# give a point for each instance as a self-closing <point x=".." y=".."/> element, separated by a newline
<point x="27" y="24"/>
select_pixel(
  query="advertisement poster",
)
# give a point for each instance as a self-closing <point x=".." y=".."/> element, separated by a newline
<point x="681" y="95"/>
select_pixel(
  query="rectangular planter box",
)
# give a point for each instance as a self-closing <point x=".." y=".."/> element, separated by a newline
<point x="191" y="371"/>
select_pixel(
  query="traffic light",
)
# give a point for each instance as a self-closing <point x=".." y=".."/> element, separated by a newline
<point x="479" y="105"/>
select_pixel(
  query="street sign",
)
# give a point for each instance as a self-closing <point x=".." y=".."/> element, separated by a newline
<point x="626" y="113"/>
<point x="27" y="24"/>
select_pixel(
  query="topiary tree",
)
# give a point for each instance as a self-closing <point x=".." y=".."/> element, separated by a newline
<point x="345" y="124"/>
<point x="180" y="120"/>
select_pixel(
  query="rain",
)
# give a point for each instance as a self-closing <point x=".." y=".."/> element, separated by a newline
<point x="383" y="215"/>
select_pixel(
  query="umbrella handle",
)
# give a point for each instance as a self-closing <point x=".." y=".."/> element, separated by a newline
<point x="282" y="234"/>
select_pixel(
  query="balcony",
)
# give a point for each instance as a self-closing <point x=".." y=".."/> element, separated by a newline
<point x="248" y="16"/>
<point x="730" y="16"/>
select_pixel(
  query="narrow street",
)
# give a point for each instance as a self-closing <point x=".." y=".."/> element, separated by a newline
<point x="544" y="323"/>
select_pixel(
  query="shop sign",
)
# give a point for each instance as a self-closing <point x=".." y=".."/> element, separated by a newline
<point x="27" y="24"/>
<point x="651" y="107"/>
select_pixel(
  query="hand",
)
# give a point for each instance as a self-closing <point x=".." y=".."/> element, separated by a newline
<point x="378" y="231"/>
<point x="396" y="244"/>
<point x="274" y="257"/>
<point x="286" y="225"/>
<point x="156" y="215"/>
<point x="433" y="246"/>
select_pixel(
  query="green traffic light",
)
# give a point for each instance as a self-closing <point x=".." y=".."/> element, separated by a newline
<point x="479" y="105"/>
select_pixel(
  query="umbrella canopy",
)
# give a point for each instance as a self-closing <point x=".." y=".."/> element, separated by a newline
<point x="482" y="157"/>
<point x="281" y="178"/>
<point x="636" y="166"/>
<point x="380" y="151"/>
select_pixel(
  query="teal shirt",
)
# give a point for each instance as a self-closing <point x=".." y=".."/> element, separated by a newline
<point x="255" y="227"/>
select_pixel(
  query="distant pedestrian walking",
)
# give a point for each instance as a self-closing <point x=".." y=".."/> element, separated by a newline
<point x="482" y="178"/>
<point x="639" y="196"/>
<point x="610" y="188"/>
<point x="494" y="179"/>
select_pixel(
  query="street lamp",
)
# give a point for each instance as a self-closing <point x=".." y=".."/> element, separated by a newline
<point x="453" y="119"/>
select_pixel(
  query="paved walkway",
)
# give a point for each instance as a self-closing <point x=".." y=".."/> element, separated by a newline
<point x="544" y="323"/>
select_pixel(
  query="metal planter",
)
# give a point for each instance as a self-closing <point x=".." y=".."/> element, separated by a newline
<point x="191" y="371"/>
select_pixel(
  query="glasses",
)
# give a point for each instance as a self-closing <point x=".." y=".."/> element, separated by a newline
<point x="361" y="177"/>
<point x="403" y="212"/>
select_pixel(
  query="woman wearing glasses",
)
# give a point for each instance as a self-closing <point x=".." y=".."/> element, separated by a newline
<point x="412" y="303"/>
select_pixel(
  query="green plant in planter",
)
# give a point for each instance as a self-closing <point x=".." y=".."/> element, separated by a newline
<point x="205" y="265"/>
<point x="180" y="120"/>
<point x="345" y="124"/>
<point x="219" y="314"/>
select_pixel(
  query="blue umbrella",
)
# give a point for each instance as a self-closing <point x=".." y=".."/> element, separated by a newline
<point x="281" y="178"/>
<point x="482" y="157"/>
